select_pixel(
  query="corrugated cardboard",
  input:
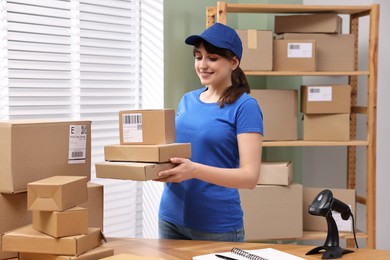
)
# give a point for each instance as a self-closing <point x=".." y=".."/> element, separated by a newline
<point x="257" y="49"/>
<point x="131" y="256"/>
<point x="276" y="173"/>
<point x="70" y="222"/>
<point x="272" y="212"/>
<point x="57" y="193"/>
<point x="131" y="170"/>
<point x="326" y="127"/>
<point x="294" y="55"/>
<point x="335" y="52"/>
<point x="154" y="126"/>
<point x="34" y="150"/>
<point x="318" y="223"/>
<point x="26" y="239"/>
<point x="155" y="153"/>
<point x="96" y="253"/>
<point x="95" y="205"/>
<point x="329" y="99"/>
<point x="13" y="214"/>
<point x="308" y="23"/>
<point x="280" y="113"/>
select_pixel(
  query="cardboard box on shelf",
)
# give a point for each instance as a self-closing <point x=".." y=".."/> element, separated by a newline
<point x="326" y="99"/>
<point x="308" y="23"/>
<point x="257" y="49"/>
<point x="70" y="222"/>
<point x="280" y="113"/>
<point x="27" y="239"/>
<point x="318" y="223"/>
<point x="278" y="217"/>
<point x="95" y="205"/>
<point x="57" y="193"/>
<point x="131" y="170"/>
<point x="157" y="153"/>
<point x="150" y="126"/>
<point x="326" y="127"/>
<point x="34" y="150"/>
<point x="276" y="173"/>
<point x="294" y="55"/>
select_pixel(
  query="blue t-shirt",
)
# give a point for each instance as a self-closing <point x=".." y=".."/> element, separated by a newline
<point x="212" y="132"/>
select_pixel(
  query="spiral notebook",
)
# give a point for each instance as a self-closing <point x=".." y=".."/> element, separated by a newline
<point x="258" y="254"/>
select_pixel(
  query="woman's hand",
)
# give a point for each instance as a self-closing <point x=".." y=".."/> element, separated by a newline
<point x="184" y="170"/>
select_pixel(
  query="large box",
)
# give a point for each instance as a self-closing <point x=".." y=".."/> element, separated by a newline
<point x="318" y="223"/>
<point x="326" y="127"/>
<point x="294" y="55"/>
<point x="272" y="212"/>
<point x="57" y="193"/>
<point x="70" y="222"/>
<point x="329" y="99"/>
<point x="280" y="113"/>
<point x="257" y="49"/>
<point x="27" y="239"/>
<point x="154" y="126"/>
<point x="156" y="153"/>
<point x="335" y="52"/>
<point x="308" y="23"/>
<point x="131" y="170"/>
<point x="95" y="205"/>
<point x="276" y="173"/>
<point x="34" y="150"/>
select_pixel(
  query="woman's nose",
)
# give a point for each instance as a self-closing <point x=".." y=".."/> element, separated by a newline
<point x="203" y="63"/>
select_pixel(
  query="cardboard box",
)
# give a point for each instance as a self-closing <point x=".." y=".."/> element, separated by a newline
<point x="257" y="49"/>
<point x="335" y="52"/>
<point x="276" y="173"/>
<point x="34" y="150"/>
<point x="70" y="222"/>
<point x="294" y="55"/>
<point x="154" y="126"/>
<point x="57" y="193"/>
<point x="96" y="253"/>
<point x="318" y="223"/>
<point x="272" y="212"/>
<point x="330" y="99"/>
<point x="13" y="214"/>
<point x="95" y="205"/>
<point x="156" y="153"/>
<point x="131" y="170"/>
<point x="308" y="23"/>
<point x="280" y="113"/>
<point x="131" y="256"/>
<point x="27" y="239"/>
<point x="326" y="127"/>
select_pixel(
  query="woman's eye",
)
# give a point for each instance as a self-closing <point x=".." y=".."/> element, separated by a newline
<point x="213" y="58"/>
<point x="198" y="57"/>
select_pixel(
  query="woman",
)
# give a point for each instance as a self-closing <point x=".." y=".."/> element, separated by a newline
<point x="224" y="126"/>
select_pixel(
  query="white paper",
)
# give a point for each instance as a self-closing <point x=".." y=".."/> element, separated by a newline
<point x="77" y="144"/>
<point x="267" y="253"/>
<point x="342" y="225"/>
<point x="132" y="128"/>
<point x="317" y="94"/>
<point x="299" y="50"/>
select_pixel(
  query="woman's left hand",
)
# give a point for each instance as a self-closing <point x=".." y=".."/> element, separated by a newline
<point x="184" y="170"/>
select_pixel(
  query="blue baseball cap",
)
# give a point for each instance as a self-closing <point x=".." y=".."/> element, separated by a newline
<point x="220" y="36"/>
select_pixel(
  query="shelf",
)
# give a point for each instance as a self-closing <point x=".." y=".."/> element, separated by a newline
<point x="314" y="143"/>
<point x="306" y="73"/>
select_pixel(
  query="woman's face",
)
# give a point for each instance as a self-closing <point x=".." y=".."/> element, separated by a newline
<point x="214" y="70"/>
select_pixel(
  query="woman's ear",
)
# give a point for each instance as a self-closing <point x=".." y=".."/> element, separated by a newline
<point x="235" y="63"/>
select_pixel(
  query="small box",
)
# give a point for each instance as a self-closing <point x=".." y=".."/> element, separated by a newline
<point x="57" y="193"/>
<point x="155" y="153"/>
<point x="272" y="212"/>
<point x="154" y="126"/>
<point x="318" y="223"/>
<point x="330" y="99"/>
<point x="276" y="173"/>
<point x="326" y="127"/>
<point x="257" y="50"/>
<point x="27" y="239"/>
<point x="294" y="55"/>
<point x="70" y="222"/>
<point x="131" y="170"/>
<point x="280" y="113"/>
<point x="34" y="150"/>
<point x="308" y="23"/>
<point x="94" y="205"/>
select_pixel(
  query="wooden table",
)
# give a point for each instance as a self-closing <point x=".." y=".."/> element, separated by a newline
<point x="185" y="249"/>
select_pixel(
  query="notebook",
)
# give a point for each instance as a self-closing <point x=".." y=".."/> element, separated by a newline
<point x="258" y="254"/>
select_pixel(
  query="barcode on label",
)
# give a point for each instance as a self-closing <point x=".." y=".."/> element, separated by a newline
<point x="294" y="46"/>
<point x="132" y="119"/>
<point x="314" y="90"/>
<point x="78" y="154"/>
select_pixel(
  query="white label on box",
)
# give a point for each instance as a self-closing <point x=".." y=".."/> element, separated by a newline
<point x="342" y="225"/>
<point x="132" y="128"/>
<point x="319" y="94"/>
<point x="77" y="144"/>
<point x="299" y="50"/>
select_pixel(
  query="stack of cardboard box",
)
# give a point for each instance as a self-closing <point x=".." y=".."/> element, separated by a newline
<point x="60" y="227"/>
<point x="147" y="142"/>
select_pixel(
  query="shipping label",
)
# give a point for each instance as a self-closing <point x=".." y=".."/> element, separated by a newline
<point x="77" y="144"/>
<point x="318" y="94"/>
<point x="299" y="50"/>
<point x="132" y="128"/>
